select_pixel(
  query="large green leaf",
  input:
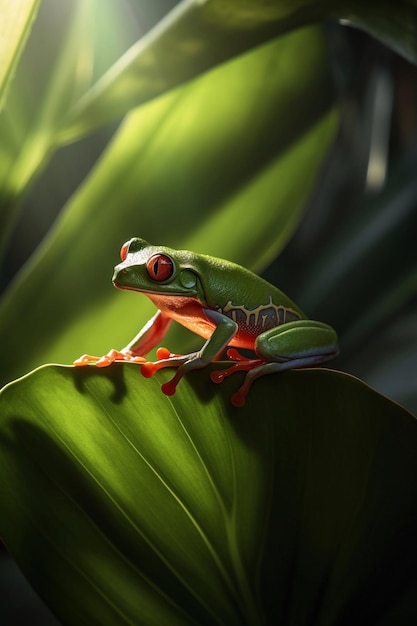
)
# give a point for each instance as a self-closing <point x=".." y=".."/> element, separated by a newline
<point x="68" y="49"/>
<point x="197" y="35"/>
<point x="124" y="506"/>
<point x="214" y="167"/>
<point x="15" y="22"/>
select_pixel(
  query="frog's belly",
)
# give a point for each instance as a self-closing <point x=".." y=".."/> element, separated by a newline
<point x="189" y="312"/>
<point x="244" y="338"/>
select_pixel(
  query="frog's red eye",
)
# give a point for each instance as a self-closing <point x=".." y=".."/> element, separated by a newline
<point x="160" y="267"/>
<point x="124" y="250"/>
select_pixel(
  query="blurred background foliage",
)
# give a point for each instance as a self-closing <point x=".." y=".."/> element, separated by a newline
<point x="296" y="158"/>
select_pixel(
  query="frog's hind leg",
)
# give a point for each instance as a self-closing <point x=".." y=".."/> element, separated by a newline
<point x="241" y="363"/>
<point x="238" y="399"/>
<point x="294" y="345"/>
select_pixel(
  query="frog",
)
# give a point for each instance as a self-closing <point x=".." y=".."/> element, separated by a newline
<point x="229" y="306"/>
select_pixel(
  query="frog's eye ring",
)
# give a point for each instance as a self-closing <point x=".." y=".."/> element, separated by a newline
<point x="160" y="267"/>
<point x="124" y="250"/>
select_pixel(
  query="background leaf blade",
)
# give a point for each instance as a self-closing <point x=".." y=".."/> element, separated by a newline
<point x="197" y="36"/>
<point x="16" y="21"/>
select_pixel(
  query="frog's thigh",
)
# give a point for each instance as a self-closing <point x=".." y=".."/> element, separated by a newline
<point x="297" y="340"/>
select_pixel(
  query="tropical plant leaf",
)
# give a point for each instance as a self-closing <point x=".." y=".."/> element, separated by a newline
<point x="69" y="48"/>
<point x="198" y="35"/>
<point x="190" y="170"/>
<point x="15" y="23"/>
<point x="374" y="319"/>
<point x="185" y="510"/>
<point x="29" y="123"/>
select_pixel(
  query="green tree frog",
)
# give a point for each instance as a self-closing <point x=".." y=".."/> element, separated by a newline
<point x="227" y="305"/>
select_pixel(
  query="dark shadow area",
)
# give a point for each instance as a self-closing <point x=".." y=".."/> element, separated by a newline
<point x="20" y="605"/>
<point x="113" y="373"/>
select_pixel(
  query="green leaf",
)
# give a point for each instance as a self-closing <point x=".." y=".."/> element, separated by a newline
<point x="68" y="50"/>
<point x="198" y="35"/>
<point x="372" y="254"/>
<point x="214" y="167"/>
<point x="70" y="75"/>
<point x="124" y="506"/>
<point x="34" y="121"/>
<point x="15" y="23"/>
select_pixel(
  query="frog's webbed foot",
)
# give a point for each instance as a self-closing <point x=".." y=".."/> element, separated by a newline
<point x="242" y="363"/>
<point x="254" y="366"/>
<point x="257" y="367"/>
<point x="184" y="362"/>
<point x="111" y="357"/>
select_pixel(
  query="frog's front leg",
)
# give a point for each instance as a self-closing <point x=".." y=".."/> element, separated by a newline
<point x="223" y="333"/>
<point x="148" y="337"/>
<point x="298" y="344"/>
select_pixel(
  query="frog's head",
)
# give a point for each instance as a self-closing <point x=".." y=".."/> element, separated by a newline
<point x="156" y="270"/>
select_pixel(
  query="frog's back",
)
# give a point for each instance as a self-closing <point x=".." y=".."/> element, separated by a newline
<point x="242" y="295"/>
